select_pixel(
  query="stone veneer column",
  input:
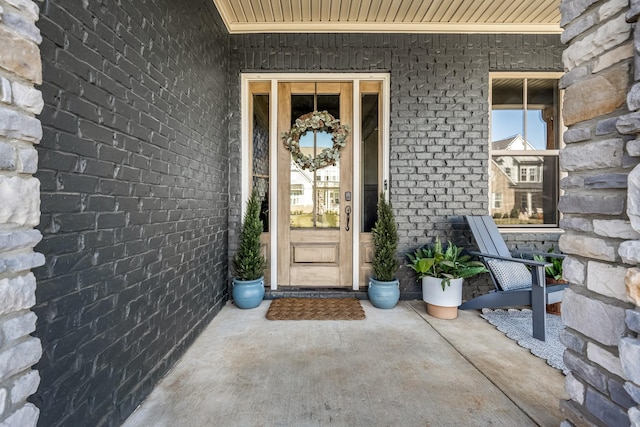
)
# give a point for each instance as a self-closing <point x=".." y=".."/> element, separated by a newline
<point x="601" y="207"/>
<point x="20" y="70"/>
<point x="629" y="250"/>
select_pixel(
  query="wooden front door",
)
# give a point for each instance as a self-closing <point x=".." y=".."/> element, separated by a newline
<point x="315" y="226"/>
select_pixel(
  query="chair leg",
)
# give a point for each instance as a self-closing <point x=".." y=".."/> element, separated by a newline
<point x="538" y="303"/>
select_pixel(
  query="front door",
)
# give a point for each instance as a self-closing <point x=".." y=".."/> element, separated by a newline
<point x="315" y="225"/>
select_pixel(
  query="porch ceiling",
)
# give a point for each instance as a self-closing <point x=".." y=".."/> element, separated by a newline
<point x="390" y="16"/>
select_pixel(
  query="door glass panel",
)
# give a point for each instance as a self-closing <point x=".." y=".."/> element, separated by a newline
<point x="370" y="140"/>
<point x="315" y="195"/>
<point x="260" y="154"/>
<point x="330" y="103"/>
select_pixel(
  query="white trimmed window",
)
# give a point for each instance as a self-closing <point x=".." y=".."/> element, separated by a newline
<point x="529" y="174"/>
<point x="497" y="200"/>
<point x="297" y="193"/>
<point x="525" y="137"/>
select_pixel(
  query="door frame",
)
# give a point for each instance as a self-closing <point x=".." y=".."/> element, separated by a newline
<point x="245" y="158"/>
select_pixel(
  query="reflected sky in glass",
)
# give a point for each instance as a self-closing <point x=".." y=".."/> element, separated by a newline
<point x="323" y="140"/>
<point x="509" y="123"/>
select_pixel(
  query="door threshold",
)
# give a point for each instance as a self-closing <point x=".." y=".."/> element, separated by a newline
<point x="307" y="292"/>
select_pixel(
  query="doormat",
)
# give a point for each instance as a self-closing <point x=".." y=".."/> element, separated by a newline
<point x="518" y="325"/>
<point x="315" y="309"/>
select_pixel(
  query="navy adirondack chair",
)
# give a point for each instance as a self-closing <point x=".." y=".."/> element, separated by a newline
<point x="515" y="284"/>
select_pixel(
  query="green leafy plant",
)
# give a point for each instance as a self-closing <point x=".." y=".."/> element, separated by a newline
<point x="385" y="242"/>
<point x="444" y="263"/>
<point x="555" y="269"/>
<point x="248" y="262"/>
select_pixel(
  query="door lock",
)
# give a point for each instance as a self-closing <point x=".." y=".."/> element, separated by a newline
<point x="347" y="196"/>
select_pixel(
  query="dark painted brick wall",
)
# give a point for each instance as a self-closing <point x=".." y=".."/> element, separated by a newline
<point x="134" y="168"/>
<point x="439" y="115"/>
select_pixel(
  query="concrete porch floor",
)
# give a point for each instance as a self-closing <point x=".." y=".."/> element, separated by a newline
<point x="397" y="367"/>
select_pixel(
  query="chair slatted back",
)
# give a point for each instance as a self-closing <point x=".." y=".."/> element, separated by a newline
<point x="487" y="235"/>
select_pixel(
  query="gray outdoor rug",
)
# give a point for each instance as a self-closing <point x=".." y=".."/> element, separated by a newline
<point x="517" y="325"/>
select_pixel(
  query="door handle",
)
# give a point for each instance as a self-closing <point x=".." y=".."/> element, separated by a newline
<point x="347" y="210"/>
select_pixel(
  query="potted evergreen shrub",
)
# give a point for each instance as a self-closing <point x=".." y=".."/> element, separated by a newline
<point x="384" y="289"/>
<point x="248" y="262"/>
<point x="442" y="271"/>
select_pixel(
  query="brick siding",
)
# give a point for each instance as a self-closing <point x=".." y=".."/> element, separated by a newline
<point x="134" y="171"/>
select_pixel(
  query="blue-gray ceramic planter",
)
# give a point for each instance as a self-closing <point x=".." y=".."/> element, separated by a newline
<point x="384" y="294"/>
<point x="248" y="293"/>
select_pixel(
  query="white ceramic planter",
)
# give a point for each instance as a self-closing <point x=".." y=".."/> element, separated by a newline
<point x="442" y="304"/>
<point x="432" y="292"/>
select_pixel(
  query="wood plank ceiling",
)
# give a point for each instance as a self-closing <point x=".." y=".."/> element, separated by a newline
<point x="386" y="16"/>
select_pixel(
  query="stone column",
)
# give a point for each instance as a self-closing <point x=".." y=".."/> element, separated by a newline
<point x="601" y="236"/>
<point x="20" y="70"/>
<point x="629" y="250"/>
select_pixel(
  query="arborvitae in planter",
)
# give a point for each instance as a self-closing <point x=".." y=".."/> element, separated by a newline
<point x="384" y="290"/>
<point x="248" y="263"/>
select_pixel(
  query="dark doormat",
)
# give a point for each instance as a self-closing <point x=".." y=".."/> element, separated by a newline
<point x="315" y="309"/>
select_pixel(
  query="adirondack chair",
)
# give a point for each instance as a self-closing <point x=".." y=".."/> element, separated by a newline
<point x="515" y="284"/>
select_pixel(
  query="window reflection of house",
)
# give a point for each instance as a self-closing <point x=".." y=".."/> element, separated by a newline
<point x="516" y="181"/>
<point x="525" y="134"/>
<point x="319" y="189"/>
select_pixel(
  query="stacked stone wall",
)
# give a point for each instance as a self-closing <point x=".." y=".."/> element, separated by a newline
<point x="439" y="124"/>
<point x="600" y="213"/>
<point x="20" y="102"/>
<point x="134" y="175"/>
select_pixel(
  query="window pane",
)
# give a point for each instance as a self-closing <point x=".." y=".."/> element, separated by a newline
<point x="314" y="195"/>
<point x="330" y="103"/>
<point x="534" y="120"/>
<point x="328" y="199"/>
<point x="542" y="95"/>
<point x="300" y="105"/>
<point x="260" y="153"/>
<point x="507" y="111"/>
<point x="528" y="196"/>
<point x="536" y="130"/>
<point x="370" y="141"/>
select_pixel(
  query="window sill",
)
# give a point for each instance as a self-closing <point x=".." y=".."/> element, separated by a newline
<point x="539" y="230"/>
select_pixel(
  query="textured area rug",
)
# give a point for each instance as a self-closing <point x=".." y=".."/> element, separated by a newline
<point x="518" y="325"/>
<point x="315" y="309"/>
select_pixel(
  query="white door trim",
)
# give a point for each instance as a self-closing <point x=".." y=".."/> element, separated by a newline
<point x="355" y="263"/>
<point x="245" y="166"/>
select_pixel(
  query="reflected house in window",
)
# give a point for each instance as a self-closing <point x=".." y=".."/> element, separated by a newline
<point x="516" y="182"/>
<point x="525" y="133"/>
<point x="326" y="183"/>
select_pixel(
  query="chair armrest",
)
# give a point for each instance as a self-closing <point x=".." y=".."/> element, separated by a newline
<point x="544" y="254"/>
<point x="528" y="262"/>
